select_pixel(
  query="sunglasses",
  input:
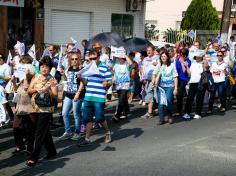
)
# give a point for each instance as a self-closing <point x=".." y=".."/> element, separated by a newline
<point x="87" y="60"/>
<point x="219" y="55"/>
<point x="93" y="58"/>
<point x="74" y="59"/>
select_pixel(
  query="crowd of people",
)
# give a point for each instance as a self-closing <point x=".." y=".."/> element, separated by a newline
<point x="156" y="76"/>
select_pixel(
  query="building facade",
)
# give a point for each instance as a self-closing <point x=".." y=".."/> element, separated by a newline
<point x="166" y="14"/>
<point x="56" y="21"/>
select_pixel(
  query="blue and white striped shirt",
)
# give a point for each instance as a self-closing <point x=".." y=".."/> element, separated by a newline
<point x="94" y="89"/>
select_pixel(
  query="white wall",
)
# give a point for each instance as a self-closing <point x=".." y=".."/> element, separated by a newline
<point x="101" y="11"/>
<point x="167" y="12"/>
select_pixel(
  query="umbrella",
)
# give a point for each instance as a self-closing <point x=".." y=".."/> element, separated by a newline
<point x="106" y="39"/>
<point x="137" y="44"/>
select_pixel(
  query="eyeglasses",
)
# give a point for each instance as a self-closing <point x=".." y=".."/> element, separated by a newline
<point x="219" y="55"/>
<point x="74" y="59"/>
<point x="50" y="50"/>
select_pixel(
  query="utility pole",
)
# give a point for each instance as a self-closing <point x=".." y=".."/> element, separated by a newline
<point x="225" y="22"/>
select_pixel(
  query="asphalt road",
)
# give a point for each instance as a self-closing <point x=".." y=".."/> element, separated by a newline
<point x="204" y="147"/>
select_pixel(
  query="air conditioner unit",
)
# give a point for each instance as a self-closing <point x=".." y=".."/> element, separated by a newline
<point x="133" y="5"/>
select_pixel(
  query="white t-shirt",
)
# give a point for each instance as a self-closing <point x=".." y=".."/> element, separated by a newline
<point x="148" y="67"/>
<point x="196" y="69"/>
<point x="218" y="72"/>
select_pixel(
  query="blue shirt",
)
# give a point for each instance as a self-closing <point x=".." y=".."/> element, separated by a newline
<point x="182" y="76"/>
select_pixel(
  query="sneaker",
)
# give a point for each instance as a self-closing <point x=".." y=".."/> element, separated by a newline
<point x="84" y="142"/>
<point x="123" y="117"/>
<point x="160" y="122"/>
<point x="96" y="125"/>
<point x="76" y="137"/>
<point x="197" y="116"/>
<point x="82" y="129"/>
<point x="144" y="103"/>
<point x="65" y="136"/>
<point x="186" y="116"/>
<point x="170" y="120"/>
<point x="140" y="102"/>
<point x="146" y="116"/>
<point x="130" y="100"/>
<point x="222" y="110"/>
<point x="108" y="138"/>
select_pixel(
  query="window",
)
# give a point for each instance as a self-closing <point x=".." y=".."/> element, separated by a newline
<point x="122" y="24"/>
<point x="178" y="25"/>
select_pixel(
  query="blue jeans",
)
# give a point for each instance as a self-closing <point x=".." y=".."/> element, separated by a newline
<point x="169" y="108"/>
<point x="92" y="109"/>
<point x="220" y="87"/>
<point x="67" y="105"/>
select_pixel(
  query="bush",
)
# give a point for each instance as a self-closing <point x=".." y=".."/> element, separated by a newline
<point x="201" y="15"/>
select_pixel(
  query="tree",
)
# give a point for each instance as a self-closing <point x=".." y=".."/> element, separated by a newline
<point x="201" y="15"/>
<point x="150" y="31"/>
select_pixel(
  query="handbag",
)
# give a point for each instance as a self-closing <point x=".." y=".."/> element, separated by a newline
<point x="44" y="99"/>
<point x="231" y="79"/>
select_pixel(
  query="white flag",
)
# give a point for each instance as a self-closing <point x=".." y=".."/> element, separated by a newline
<point x="46" y="52"/>
<point x="32" y="52"/>
<point x="191" y="34"/>
<point x="9" y="58"/>
<point x="60" y="59"/>
<point x="73" y="40"/>
<point x="163" y="99"/>
<point x="89" y="70"/>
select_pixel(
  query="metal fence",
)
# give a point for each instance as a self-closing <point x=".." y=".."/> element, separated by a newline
<point x="172" y="36"/>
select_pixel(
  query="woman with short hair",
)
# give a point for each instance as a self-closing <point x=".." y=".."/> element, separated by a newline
<point x="43" y="88"/>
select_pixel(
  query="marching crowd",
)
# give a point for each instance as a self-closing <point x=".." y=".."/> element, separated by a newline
<point x="156" y="76"/>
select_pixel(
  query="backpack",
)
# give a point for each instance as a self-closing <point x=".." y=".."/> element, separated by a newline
<point x="206" y="80"/>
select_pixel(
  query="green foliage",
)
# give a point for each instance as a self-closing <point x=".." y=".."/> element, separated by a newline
<point x="172" y="36"/>
<point x="201" y="15"/>
<point x="150" y="31"/>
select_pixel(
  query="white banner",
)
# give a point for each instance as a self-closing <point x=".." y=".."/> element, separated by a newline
<point x="117" y="52"/>
<point x="14" y="3"/>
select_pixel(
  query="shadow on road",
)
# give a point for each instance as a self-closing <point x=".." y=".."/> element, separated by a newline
<point x="43" y="168"/>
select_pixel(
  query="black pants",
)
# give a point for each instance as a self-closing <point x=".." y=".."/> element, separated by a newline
<point x="200" y="98"/>
<point x="123" y="105"/>
<point x="43" y="136"/>
<point x="193" y="88"/>
<point x="9" y="110"/>
<point x="180" y="95"/>
<point x="23" y="128"/>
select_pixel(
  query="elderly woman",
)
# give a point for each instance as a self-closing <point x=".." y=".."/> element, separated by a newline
<point x="23" y="123"/>
<point x="43" y="89"/>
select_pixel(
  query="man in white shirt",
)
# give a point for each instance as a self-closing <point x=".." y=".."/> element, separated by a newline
<point x="149" y="64"/>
